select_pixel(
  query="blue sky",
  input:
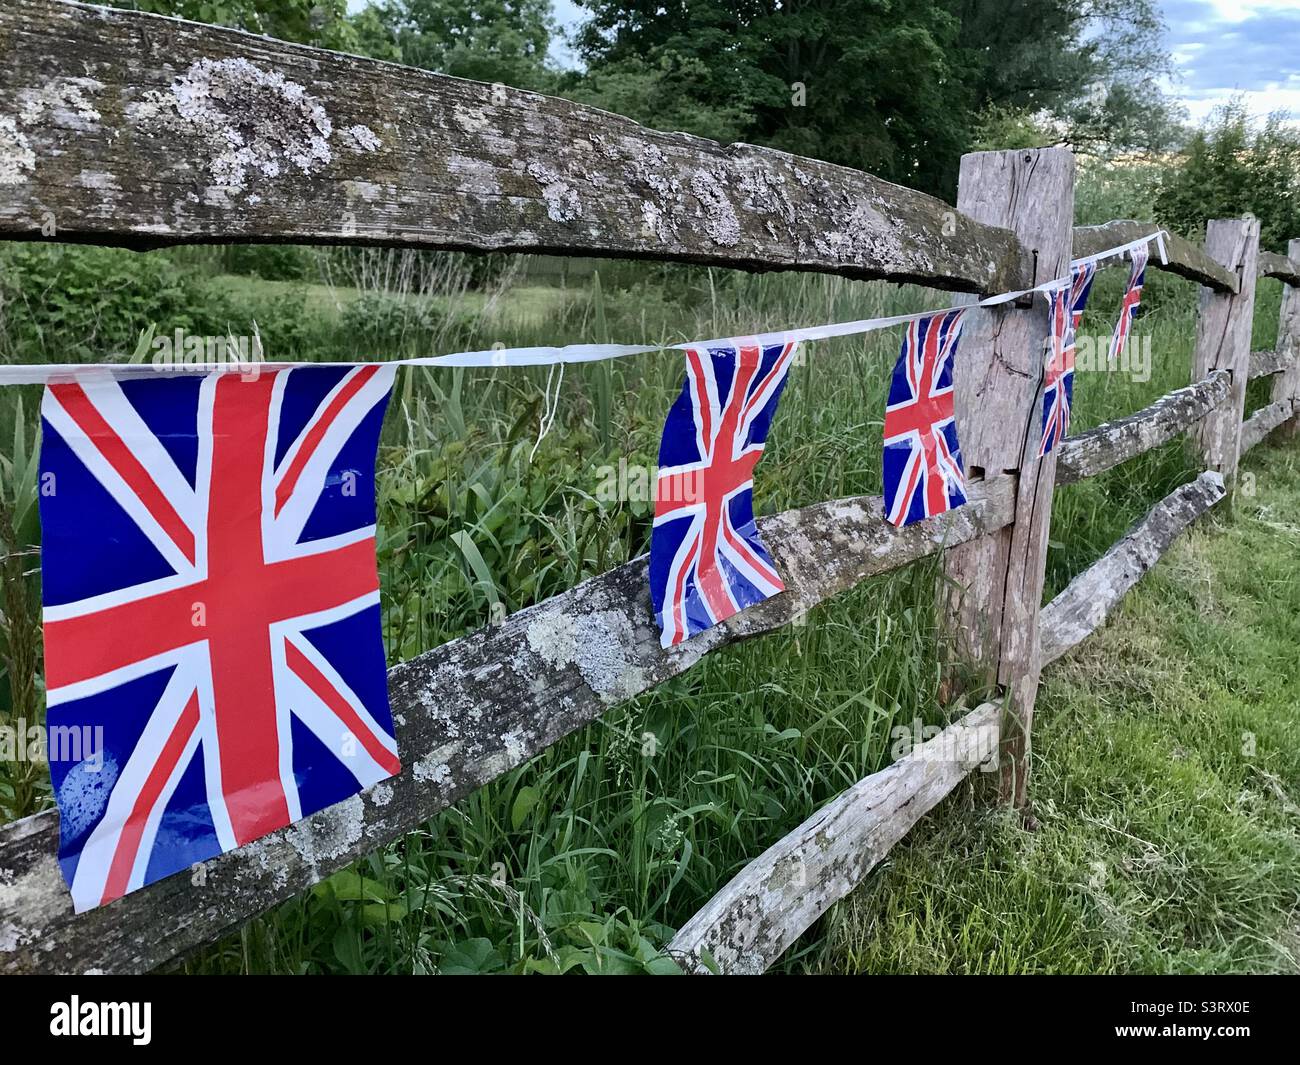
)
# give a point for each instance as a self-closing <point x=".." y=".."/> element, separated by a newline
<point x="1220" y="48"/>
<point x="1225" y="47"/>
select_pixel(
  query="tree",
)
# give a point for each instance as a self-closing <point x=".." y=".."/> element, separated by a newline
<point x="861" y="82"/>
<point x="897" y="87"/>
<point x="1233" y="166"/>
<point x="502" y="41"/>
<point x="1090" y="67"/>
<point x="323" y="23"/>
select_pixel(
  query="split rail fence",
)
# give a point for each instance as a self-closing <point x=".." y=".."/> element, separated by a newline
<point x="128" y="129"/>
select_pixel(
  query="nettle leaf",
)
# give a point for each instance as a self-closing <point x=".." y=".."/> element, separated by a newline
<point x="472" y="957"/>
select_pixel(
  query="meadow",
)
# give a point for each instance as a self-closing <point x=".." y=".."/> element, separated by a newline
<point x="586" y="858"/>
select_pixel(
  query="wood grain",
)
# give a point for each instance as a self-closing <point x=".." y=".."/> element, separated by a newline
<point x="466" y="712"/>
<point x="994" y="586"/>
<point x="1088" y="599"/>
<point x="1287" y="385"/>
<point x="1223" y="338"/>
<point x="1106" y="446"/>
<point x="1264" y="421"/>
<point x="123" y="128"/>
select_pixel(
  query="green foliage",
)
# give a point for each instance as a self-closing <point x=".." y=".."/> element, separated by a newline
<point x="1232" y="167"/>
<point x="323" y="23"/>
<point x="819" y="79"/>
<point x="501" y="41"/>
<point x="1001" y="128"/>
<point x="1124" y="188"/>
<point x="272" y="262"/>
<point x="69" y="304"/>
<point x="1167" y="758"/>
<point x="900" y="89"/>
<point x="586" y="858"/>
<point x="1091" y="67"/>
<point x="376" y="322"/>
<point x="665" y="91"/>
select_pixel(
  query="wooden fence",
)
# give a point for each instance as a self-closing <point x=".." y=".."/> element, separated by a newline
<point x="128" y="129"/>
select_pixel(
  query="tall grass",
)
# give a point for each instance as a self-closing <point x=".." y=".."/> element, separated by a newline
<point x="588" y="856"/>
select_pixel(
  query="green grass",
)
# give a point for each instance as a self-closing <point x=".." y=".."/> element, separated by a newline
<point x="1166" y="769"/>
<point x="590" y="855"/>
<point x="527" y="305"/>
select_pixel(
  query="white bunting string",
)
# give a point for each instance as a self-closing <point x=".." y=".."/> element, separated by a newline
<point x="36" y="373"/>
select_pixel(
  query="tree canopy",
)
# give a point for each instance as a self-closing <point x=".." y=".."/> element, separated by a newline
<point x="897" y="87"/>
<point x="1232" y="167"/>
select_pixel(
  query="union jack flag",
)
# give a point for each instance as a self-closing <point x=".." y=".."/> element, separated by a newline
<point x="1058" y="376"/>
<point x="1132" y="298"/>
<point x="923" y="469"/>
<point x="706" y="560"/>
<point x="211" y="611"/>
<point x="1080" y="286"/>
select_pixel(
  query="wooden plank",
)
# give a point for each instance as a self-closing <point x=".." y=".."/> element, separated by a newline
<point x="1106" y="446"/>
<point x="1088" y="599"/>
<point x="995" y="585"/>
<point x="466" y="712"/>
<point x="750" y="922"/>
<point x="747" y="925"/>
<point x="1284" y="267"/>
<point x="1264" y="421"/>
<point x="125" y="128"/>
<point x="1287" y="385"/>
<point x="1185" y="258"/>
<point x="1223" y="328"/>
<point x="1267" y="363"/>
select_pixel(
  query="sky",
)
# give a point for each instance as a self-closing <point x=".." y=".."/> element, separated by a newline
<point x="1220" y="48"/>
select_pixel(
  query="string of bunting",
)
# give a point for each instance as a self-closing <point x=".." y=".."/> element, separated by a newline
<point x="209" y="580"/>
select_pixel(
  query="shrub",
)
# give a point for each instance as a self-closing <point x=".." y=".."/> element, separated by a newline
<point x="1233" y="167"/>
<point x="73" y="304"/>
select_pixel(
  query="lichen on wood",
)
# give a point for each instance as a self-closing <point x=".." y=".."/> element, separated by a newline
<point x="1088" y="599"/>
<point x="1263" y="421"/>
<point x="466" y="712"/>
<point x="209" y="134"/>
<point x="1106" y="446"/>
<point x="1185" y="258"/>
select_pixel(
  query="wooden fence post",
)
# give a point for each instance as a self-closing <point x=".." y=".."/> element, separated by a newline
<point x="994" y="585"/>
<point x="1223" y="338"/>
<point x="1286" y="385"/>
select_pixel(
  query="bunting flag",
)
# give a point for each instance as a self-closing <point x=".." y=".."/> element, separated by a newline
<point x="1058" y="376"/>
<point x="1132" y="298"/>
<point x="923" y="471"/>
<point x="212" y="622"/>
<point x="1081" y="278"/>
<point x="214" y="663"/>
<point x="706" y="559"/>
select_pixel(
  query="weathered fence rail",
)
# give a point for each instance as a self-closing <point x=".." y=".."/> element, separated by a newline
<point x="466" y="712"/>
<point x="1106" y="446"/>
<point x="1088" y="599"/>
<point x="749" y="924"/>
<point x="117" y="128"/>
<point x="122" y="129"/>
